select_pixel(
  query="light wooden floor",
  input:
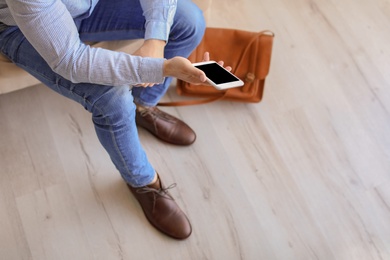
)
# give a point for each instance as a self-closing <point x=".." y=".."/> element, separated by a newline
<point x="305" y="174"/>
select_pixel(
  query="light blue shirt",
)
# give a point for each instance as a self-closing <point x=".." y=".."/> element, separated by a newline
<point x="49" y="27"/>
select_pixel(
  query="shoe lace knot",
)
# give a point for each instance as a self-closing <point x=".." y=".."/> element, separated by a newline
<point x="162" y="192"/>
<point x="157" y="193"/>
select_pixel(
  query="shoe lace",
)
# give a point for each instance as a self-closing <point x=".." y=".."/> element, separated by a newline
<point x="162" y="192"/>
<point x="155" y="112"/>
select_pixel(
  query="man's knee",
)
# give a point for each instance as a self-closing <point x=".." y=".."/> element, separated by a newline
<point x="189" y="18"/>
<point x="197" y="22"/>
<point x="114" y="107"/>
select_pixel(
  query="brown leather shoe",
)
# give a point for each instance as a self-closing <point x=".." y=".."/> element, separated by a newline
<point x="164" y="126"/>
<point x="162" y="211"/>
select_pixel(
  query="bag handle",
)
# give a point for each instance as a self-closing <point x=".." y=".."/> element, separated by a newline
<point x="212" y="99"/>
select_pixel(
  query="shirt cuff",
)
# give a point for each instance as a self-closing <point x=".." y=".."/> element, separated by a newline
<point x="151" y="70"/>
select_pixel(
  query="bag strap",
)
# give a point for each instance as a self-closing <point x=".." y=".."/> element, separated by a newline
<point x="223" y="94"/>
<point x="254" y="38"/>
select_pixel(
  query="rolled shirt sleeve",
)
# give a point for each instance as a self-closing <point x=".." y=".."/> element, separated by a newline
<point x="159" y="15"/>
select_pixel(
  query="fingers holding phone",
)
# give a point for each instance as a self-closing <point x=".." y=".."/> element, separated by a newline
<point x="210" y="72"/>
<point x="206" y="57"/>
<point x="219" y="77"/>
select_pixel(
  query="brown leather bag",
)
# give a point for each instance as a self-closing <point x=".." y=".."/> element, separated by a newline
<point x="248" y="53"/>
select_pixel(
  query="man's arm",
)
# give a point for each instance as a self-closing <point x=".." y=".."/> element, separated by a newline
<point x="49" y="27"/>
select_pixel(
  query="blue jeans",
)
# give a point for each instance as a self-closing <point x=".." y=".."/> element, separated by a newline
<point x="113" y="108"/>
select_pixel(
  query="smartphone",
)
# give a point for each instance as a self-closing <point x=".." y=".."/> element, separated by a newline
<point x="218" y="76"/>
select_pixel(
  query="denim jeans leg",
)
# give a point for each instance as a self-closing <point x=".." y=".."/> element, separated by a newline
<point x="112" y="108"/>
<point x="113" y="20"/>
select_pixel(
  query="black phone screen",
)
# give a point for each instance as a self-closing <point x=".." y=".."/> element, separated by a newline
<point x="216" y="73"/>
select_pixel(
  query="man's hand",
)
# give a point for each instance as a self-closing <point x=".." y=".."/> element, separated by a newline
<point x="183" y="69"/>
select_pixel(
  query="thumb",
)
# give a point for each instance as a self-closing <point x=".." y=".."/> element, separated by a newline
<point x="202" y="76"/>
<point x="198" y="74"/>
